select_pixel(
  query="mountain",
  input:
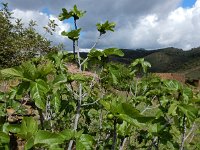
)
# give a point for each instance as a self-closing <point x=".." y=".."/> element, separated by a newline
<point x="167" y="60"/>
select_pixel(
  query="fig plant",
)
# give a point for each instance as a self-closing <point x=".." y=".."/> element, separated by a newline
<point x="114" y="107"/>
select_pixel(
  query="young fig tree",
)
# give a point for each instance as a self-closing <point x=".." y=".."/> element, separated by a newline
<point x="74" y="13"/>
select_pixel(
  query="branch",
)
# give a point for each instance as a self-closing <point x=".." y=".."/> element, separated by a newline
<point x="74" y="50"/>
<point x="147" y="108"/>
<point x="91" y="85"/>
<point x="41" y="118"/>
<point x="153" y="143"/>
<point x="183" y="134"/>
<point x="191" y="138"/>
<point x="88" y="104"/>
<point x="75" y="24"/>
<point x="100" y="128"/>
<point x="97" y="41"/>
<point x="105" y="139"/>
<point x="100" y="119"/>
<point x="79" y="59"/>
<point x="47" y="115"/>
<point x="190" y="132"/>
<point x="123" y="144"/>
<point x="155" y="139"/>
<point x="75" y="94"/>
<point x="131" y="91"/>
<point x="114" y="135"/>
<point x="136" y="85"/>
<point x="84" y="61"/>
<point x="166" y="117"/>
<point x="78" y="109"/>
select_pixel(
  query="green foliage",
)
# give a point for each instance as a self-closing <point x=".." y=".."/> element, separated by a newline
<point x="64" y="15"/>
<point x="72" y="35"/>
<point x="75" y="13"/>
<point x="4" y="138"/>
<point x="54" y="108"/>
<point x="104" y="27"/>
<point x="94" y="53"/>
<point x="48" y="138"/>
<point x="19" y="43"/>
<point x="39" y="89"/>
<point x="100" y="57"/>
<point x="141" y="62"/>
<point x="144" y="108"/>
<point x="84" y="142"/>
<point x="167" y="60"/>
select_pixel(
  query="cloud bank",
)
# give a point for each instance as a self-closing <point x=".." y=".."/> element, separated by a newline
<point x="180" y="28"/>
<point x="140" y="24"/>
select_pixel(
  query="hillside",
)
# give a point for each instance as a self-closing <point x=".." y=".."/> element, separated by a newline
<point x="166" y="60"/>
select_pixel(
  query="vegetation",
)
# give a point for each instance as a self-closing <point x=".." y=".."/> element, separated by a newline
<point x="115" y="107"/>
<point x="166" y="60"/>
<point x="19" y="44"/>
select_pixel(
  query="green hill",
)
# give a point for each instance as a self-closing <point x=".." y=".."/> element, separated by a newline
<point x="167" y="60"/>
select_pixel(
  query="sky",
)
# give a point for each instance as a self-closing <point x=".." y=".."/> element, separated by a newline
<point x="148" y="24"/>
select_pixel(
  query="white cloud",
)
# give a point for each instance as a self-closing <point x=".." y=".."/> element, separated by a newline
<point x="180" y="28"/>
<point x="41" y="20"/>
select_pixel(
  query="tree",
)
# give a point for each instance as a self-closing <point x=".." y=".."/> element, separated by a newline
<point x="17" y="43"/>
<point x="76" y="14"/>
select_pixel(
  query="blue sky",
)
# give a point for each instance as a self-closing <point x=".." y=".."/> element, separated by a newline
<point x="188" y="3"/>
<point x="48" y="12"/>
